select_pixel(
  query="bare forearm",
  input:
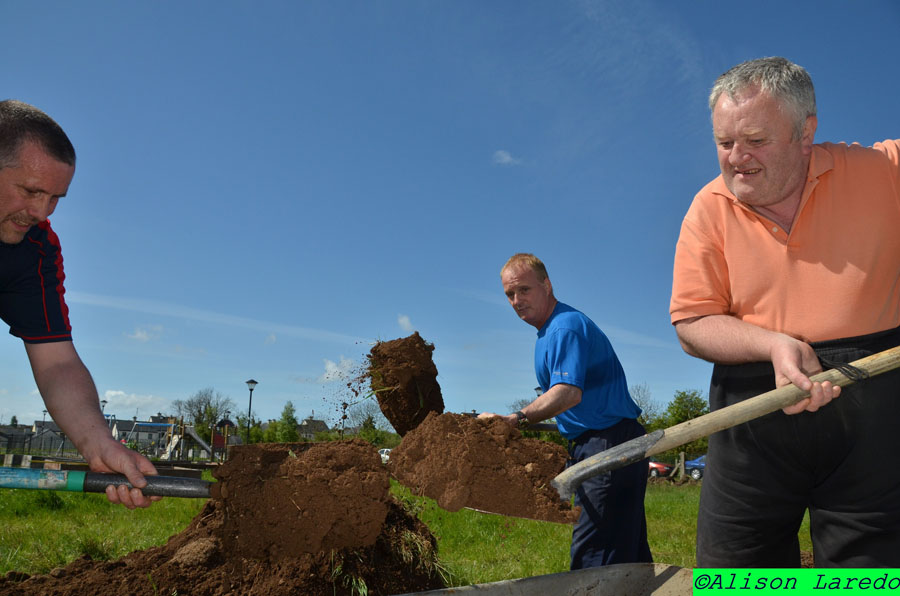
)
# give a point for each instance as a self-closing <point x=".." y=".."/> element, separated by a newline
<point x="556" y="400"/>
<point x="726" y="340"/>
<point x="71" y="398"/>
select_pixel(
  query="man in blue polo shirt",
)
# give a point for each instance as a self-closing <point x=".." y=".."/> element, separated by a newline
<point x="37" y="162"/>
<point x="586" y="391"/>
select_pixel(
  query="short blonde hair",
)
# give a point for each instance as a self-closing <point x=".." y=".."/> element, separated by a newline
<point x="529" y="260"/>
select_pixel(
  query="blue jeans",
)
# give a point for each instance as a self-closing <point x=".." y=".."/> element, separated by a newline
<point x="612" y="527"/>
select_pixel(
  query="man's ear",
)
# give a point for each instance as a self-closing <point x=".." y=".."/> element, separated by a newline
<point x="809" y="133"/>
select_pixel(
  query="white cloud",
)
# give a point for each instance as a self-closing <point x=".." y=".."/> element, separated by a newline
<point x="146" y="333"/>
<point x="176" y="310"/>
<point x="125" y="405"/>
<point x="271" y="339"/>
<point x="405" y="323"/>
<point x="502" y="157"/>
<point x="336" y="371"/>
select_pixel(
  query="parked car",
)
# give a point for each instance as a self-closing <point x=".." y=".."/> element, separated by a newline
<point x="658" y="468"/>
<point x="385" y="455"/>
<point x="695" y="467"/>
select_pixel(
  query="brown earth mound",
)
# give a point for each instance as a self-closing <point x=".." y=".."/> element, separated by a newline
<point x="404" y="378"/>
<point x="461" y="461"/>
<point x="293" y="519"/>
<point x="323" y="496"/>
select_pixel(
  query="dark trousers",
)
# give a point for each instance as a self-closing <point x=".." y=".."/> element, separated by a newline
<point x="612" y="527"/>
<point x="763" y="475"/>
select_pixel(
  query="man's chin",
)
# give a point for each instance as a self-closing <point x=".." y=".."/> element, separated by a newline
<point x="745" y="193"/>
<point x="11" y="237"/>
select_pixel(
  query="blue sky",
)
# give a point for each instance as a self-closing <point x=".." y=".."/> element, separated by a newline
<point x="265" y="189"/>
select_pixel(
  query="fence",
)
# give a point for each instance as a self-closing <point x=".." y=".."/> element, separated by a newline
<point x="48" y="443"/>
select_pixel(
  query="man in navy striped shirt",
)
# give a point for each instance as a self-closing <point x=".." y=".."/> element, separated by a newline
<point x="37" y="162"/>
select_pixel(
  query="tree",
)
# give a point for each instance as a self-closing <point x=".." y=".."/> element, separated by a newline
<point x="13" y="421"/>
<point x="519" y="404"/>
<point x="687" y="405"/>
<point x="257" y="434"/>
<point x="650" y="417"/>
<point x="286" y="431"/>
<point x="203" y="410"/>
<point x="270" y="435"/>
<point x="359" y="412"/>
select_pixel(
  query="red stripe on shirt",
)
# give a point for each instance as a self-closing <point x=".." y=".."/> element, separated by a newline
<point x="60" y="273"/>
<point x="38" y="338"/>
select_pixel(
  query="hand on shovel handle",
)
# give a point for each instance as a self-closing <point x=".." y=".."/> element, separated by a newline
<point x="568" y="481"/>
<point x="92" y="482"/>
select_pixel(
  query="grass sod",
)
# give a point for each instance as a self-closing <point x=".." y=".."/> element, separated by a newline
<point x="42" y="530"/>
<point x="476" y="547"/>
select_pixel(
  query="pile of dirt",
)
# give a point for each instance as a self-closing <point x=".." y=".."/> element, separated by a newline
<point x="462" y="461"/>
<point x="324" y="496"/>
<point x="404" y="378"/>
<point x="292" y="519"/>
<point x="457" y="459"/>
<point x="807" y="561"/>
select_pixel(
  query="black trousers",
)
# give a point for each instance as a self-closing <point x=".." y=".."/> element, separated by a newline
<point x="612" y="527"/>
<point x="763" y="475"/>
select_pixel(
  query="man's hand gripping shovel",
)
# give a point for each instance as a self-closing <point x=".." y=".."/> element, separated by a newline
<point x="658" y="441"/>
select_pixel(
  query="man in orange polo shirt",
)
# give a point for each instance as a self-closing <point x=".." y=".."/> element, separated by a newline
<point x="787" y="263"/>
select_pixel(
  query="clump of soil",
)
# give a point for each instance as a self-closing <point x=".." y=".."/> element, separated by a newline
<point x="321" y="496"/>
<point x="462" y="461"/>
<point x="404" y="378"/>
<point x="293" y="519"/>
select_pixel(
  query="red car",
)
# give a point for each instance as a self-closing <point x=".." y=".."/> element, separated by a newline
<point x="658" y="468"/>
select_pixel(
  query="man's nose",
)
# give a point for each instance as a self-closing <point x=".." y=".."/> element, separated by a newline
<point x="738" y="155"/>
<point x="40" y="208"/>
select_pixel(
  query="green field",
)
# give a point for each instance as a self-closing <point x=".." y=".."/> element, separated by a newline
<point x="43" y="530"/>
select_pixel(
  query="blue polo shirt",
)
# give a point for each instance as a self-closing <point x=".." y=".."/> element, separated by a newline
<point x="571" y="349"/>
<point x="31" y="287"/>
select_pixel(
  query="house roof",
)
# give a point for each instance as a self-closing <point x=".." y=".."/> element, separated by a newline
<point x="312" y="426"/>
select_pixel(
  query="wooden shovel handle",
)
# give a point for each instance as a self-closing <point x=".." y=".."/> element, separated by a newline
<point x="663" y="440"/>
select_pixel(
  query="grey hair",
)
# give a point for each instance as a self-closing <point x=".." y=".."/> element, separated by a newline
<point x="20" y="122"/>
<point x="785" y="81"/>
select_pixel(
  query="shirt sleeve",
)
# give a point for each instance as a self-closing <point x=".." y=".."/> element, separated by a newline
<point x="33" y="302"/>
<point x="891" y="148"/>
<point x="700" y="282"/>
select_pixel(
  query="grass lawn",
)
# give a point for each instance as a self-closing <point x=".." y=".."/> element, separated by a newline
<point x="43" y="530"/>
<point x="47" y="529"/>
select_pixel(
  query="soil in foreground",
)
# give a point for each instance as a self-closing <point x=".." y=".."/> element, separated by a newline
<point x="290" y="519"/>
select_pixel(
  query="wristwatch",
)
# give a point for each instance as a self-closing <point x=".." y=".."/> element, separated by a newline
<point x="521" y="419"/>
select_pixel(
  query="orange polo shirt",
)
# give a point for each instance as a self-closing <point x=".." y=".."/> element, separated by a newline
<point x="836" y="274"/>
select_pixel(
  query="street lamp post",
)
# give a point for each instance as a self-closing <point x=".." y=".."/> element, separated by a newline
<point x="225" y="439"/>
<point x="250" y="385"/>
<point x="43" y="430"/>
